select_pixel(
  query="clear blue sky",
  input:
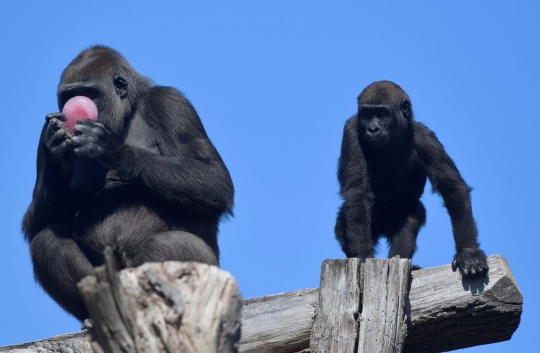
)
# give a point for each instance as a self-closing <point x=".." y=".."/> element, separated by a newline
<point x="274" y="83"/>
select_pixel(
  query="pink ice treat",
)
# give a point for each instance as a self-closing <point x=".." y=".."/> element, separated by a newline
<point x="79" y="107"/>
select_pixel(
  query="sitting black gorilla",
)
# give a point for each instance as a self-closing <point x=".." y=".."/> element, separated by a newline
<point x="385" y="159"/>
<point x="143" y="179"/>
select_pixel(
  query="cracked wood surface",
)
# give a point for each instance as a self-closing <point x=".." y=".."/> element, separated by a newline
<point x="385" y="294"/>
<point x="336" y="325"/>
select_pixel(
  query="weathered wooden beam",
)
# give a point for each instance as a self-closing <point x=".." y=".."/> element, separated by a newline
<point x="446" y="313"/>
<point x="273" y="323"/>
<point x="335" y="328"/>
<point x="385" y="294"/>
<point x="278" y="323"/>
<point x="71" y="342"/>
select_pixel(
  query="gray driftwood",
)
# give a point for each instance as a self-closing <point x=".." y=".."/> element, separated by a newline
<point x="446" y="313"/>
<point x="335" y="328"/>
<point x="385" y="293"/>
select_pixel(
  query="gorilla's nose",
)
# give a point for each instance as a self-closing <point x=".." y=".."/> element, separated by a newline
<point x="374" y="131"/>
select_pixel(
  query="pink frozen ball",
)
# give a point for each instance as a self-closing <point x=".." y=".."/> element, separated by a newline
<point x="79" y="107"/>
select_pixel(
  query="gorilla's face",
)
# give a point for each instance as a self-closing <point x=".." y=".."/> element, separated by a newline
<point x="103" y="78"/>
<point x="375" y="124"/>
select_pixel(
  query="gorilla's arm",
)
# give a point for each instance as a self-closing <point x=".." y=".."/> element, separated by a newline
<point x="447" y="181"/>
<point x="353" y="226"/>
<point x="178" y="162"/>
<point x="52" y="201"/>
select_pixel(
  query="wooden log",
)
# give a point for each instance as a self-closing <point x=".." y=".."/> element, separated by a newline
<point x="278" y="323"/>
<point x="163" y="307"/>
<point x="68" y="343"/>
<point x="446" y="313"/>
<point x="385" y="293"/>
<point x="335" y="328"/>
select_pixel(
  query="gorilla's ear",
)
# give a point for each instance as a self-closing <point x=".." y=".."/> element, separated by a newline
<point x="406" y="109"/>
<point x="120" y="84"/>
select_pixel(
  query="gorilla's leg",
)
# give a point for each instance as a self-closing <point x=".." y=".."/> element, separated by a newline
<point x="403" y="234"/>
<point x="59" y="264"/>
<point x="175" y="246"/>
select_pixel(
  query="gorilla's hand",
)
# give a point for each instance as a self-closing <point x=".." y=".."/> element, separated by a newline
<point x="57" y="140"/>
<point x="471" y="262"/>
<point x="94" y="140"/>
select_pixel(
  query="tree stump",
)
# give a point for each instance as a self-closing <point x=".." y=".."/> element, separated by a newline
<point x="163" y="307"/>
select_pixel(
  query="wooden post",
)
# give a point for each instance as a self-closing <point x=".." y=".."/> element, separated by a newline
<point x="163" y="307"/>
<point x="386" y="290"/>
<point x="335" y="328"/>
<point x="378" y="289"/>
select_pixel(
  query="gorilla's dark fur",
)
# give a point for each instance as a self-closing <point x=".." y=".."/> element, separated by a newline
<point x="143" y="179"/>
<point x="385" y="160"/>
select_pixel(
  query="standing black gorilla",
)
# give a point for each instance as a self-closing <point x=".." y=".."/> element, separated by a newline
<point x="143" y="179"/>
<point x="385" y="159"/>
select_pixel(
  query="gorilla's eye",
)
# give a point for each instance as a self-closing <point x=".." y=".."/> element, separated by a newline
<point x="120" y="82"/>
